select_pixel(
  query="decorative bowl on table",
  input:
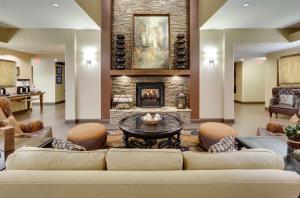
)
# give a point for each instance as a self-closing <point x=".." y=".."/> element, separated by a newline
<point x="151" y="119"/>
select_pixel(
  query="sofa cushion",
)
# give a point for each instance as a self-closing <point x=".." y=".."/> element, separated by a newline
<point x="2" y="115"/>
<point x="11" y="121"/>
<point x="246" y="159"/>
<point x="144" y="159"/>
<point x="32" y="158"/>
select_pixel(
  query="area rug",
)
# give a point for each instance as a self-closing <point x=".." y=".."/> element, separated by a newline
<point x="189" y="140"/>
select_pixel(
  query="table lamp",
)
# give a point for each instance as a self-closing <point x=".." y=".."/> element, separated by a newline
<point x="7" y="75"/>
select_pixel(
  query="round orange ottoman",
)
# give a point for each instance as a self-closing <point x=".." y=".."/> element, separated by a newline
<point x="212" y="132"/>
<point x="91" y="136"/>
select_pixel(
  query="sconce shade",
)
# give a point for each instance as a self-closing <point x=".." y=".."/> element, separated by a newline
<point x="7" y="73"/>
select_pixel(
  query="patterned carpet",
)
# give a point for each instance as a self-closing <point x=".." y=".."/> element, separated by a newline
<point x="189" y="140"/>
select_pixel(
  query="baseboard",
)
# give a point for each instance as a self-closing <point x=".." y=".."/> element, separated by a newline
<point x="231" y="121"/>
<point x="49" y="103"/>
<point x="70" y="121"/>
<point x="249" y="102"/>
<point x="86" y="121"/>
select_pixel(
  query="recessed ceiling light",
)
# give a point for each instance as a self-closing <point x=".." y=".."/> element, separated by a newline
<point x="246" y="4"/>
<point x="54" y="4"/>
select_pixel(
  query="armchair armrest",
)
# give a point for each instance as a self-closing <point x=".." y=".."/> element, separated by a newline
<point x="272" y="101"/>
<point x="31" y="126"/>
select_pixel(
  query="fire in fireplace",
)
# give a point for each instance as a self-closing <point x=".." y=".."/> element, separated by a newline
<point x="150" y="94"/>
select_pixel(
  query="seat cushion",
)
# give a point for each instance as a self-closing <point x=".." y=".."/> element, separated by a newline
<point x="2" y="115"/>
<point x="245" y="159"/>
<point x="32" y="158"/>
<point x="144" y="159"/>
<point x="212" y="132"/>
<point x="92" y="136"/>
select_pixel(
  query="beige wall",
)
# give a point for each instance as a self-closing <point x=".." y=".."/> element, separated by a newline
<point x="23" y="60"/>
<point x="211" y="76"/>
<point x="271" y="71"/>
<point x="44" y="75"/>
<point x="88" y="81"/>
<point x="250" y="82"/>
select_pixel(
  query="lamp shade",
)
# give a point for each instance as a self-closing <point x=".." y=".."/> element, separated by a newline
<point x="7" y="73"/>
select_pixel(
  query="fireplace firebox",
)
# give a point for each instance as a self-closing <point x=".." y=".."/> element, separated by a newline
<point x="150" y="95"/>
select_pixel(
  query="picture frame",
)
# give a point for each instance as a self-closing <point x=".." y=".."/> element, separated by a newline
<point x="59" y="79"/>
<point x="151" y="41"/>
<point x="59" y="70"/>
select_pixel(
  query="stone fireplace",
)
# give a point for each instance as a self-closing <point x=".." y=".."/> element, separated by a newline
<point x="150" y="95"/>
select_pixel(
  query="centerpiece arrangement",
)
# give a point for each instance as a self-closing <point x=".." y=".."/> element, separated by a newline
<point x="293" y="133"/>
<point x="151" y="119"/>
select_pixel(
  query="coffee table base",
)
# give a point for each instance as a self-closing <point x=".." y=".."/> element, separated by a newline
<point x="171" y="142"/>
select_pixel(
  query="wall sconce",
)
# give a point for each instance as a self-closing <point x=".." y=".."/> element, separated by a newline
<point x="89" y="54"/>
<point x="210" y="55"/>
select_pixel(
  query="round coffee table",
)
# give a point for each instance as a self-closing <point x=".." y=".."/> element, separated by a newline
<point x="168" y="128"/>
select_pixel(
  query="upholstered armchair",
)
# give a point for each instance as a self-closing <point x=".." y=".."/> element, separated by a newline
<point x="27" y="130"/>
<point x="290" y="107"/>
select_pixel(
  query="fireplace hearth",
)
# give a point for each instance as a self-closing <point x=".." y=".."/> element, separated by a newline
<point x="150" y="95"/>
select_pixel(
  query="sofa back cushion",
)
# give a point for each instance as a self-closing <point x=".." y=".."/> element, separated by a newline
<point x="32" y="158"/>
<point x="144" y="159"/>
<point x="245" y="159"/>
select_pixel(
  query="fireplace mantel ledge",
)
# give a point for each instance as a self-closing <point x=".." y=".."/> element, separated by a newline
<point x="146" y="110"/>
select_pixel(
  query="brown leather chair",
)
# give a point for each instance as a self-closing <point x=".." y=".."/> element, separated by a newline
<point x="276" y="107"/>
<point x="31" y="129"/>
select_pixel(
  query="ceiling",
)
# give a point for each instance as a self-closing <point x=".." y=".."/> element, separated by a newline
<point x="41" y="14"/>
<point x="260" y="14"/>
<point x="35" y="48"/>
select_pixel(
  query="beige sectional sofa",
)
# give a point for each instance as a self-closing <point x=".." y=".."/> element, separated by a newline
<point x="122" y="173"/>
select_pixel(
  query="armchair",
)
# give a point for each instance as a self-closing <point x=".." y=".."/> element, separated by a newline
<point x="27" y="130"/>
<point x="286" y="109"/>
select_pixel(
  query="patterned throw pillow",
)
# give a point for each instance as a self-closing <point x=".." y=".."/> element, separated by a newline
<point x="66" y="145"/>
<point x="286" y="99"/>
<point x="227" y="144"/>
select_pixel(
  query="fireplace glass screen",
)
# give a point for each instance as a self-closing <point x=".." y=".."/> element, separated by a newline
<point x="150" y="95"/>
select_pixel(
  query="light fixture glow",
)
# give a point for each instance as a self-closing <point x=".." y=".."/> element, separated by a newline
<point x="54" y="4"/>
<point x="246" y="4"/>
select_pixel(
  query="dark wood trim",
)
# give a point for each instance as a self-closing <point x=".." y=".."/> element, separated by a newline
<point x="249" y="102"/>
<point x="106" y="46"/>
<point x="150" y="72"/>
<point x="213" y="120"/>
<point x="288" y="56"/>
<point x="194" y="51"/>
<point x="277" y="76"/>
<point x="230" y="121"/>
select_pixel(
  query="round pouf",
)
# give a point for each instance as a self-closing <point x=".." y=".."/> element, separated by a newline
<point x="91" y="136"/>
<point x="212" y="132"/>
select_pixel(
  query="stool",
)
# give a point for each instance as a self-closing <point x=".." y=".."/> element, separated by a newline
<point x="212" y="132"/>
<point x="91" y="136"/>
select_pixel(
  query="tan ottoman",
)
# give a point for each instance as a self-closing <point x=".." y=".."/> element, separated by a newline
<point x="91" y="136"/>
<point x="212" y="132"/>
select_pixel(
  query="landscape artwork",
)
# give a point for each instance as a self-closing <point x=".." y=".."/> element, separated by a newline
<point x="151" y="42"/>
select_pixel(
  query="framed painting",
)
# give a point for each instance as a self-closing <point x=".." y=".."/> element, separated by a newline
<point x="58" y="80"/>
<point x="151" y="44"/>
<point x="58" y="70"/>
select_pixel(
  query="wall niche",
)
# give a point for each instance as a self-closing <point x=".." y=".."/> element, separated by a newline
<point x="122" y="22"/>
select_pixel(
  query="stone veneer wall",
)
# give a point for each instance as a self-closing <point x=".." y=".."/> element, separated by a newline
<point x="173" y="85"/>
<point x="123" y="11"/>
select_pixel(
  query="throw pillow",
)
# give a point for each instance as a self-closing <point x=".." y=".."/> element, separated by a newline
<point x="275" y="127"/>
<point x="11" y="121"/>
<point x="227" y="144"/>
<point x="294" y="120"/>
<point x="66" y="145"/>
<point x="286" y="99"/>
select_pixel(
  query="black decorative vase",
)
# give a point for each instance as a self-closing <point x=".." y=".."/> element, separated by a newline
<point x="181" y="52"/>
<point x="120" y="52"/>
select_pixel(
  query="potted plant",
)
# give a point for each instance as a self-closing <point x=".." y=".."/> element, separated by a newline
<point x="293" y="133"/>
